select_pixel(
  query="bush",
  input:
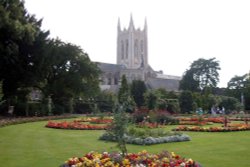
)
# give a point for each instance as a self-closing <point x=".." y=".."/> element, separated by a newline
<point x="140" y="114"/>
<point x="163" y="117"/>
<point x="153" y="116"/>
<point x="148" y="140"/>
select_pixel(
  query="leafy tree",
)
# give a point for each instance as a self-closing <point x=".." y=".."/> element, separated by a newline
<point x="206" y="72"/>
<point x="21" y="40"/>
<point x="123" y="92"/>
<point x="236" y="86"/>
<point x="186" y="102"/>
<point x="19" y="32"/>
<point x="230" y="103"/>
<point x="138" y="88"/>
<point x="202" y="73"/>
<point x="30" y="59"/>
<point x="150" y="99"/>
<point x="105" y="101"/>
<point x="124" y="95"/>
<point x="237" y="82"/>
<point x="69" y="73"/>
<point x="188" y="82"/>
<point x="119" y="126"/>
<point x="246" y="94"/>
<point x="120" y="122"/>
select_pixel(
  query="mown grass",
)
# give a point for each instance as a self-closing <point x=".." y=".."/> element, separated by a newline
<point x="33" y="145"/>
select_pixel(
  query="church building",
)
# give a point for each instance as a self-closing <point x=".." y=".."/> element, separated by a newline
<point x="132" y="61"/>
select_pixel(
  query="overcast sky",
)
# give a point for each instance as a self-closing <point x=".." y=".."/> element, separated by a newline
<point x="179" y="31"/>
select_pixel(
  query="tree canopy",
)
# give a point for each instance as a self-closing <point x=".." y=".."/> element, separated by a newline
<point x="138" y="88"/>
<point x="29" y="58"/>
<point x="203" y="73"/>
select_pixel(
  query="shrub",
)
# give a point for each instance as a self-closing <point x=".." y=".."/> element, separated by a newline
<point x="147" y="140"/>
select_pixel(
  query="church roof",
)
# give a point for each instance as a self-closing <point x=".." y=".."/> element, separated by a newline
<point x="168" y="84"/>
<point x="164" y="76"/>
<point x="109" y="67"/>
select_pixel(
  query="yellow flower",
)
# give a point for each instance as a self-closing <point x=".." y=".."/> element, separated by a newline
<point x="109" y="164"/>
<point x="105" y="160"/>
<point x="190" y="161"/>
<point x="165" y="159"/>
<point x="79" y="164"/>
<point x="126" y="162"/>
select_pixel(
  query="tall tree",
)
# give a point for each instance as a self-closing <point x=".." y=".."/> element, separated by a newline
<point x="203" y="73"/>
<point x="138" y="88"/>
<point x="68" y="73"/>
<point x="124" y="97"/>
<point x="19" y="37"/>
<point x="186" y="102"/>
<point x="206" y="72"/>
<point x="237" y="82"/>
<point x="236" y="86"/>
<point x="151" y="99"/>
<point x="188" y="82"/>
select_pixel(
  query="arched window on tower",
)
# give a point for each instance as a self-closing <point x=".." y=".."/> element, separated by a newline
<point x="122" y="49"/>
<point x="136" y="48"/>
<point x="126" y="48"/>
<point x="141" y="46"/>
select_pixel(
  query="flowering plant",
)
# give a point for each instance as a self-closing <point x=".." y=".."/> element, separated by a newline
<point x="212" y="129"/>
<point x="141" y="159"/>
<point x="75" y="125"/>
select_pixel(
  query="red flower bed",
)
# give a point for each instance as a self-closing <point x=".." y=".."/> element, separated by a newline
<point x="75" y="125"/>
<point x="212" y="129"/>
<point x="215" y="120"/>
<point x="240" y="119"/>
<point x="101" y="121"/>
<point x="193" y="123"/>
<point x="13" y="121"/>
<point x="197" y="119"/>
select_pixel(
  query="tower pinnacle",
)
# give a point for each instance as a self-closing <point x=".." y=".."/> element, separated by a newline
<point x="119" y="25"/>
<point x="145" y="25"/>
<point x="131" y="22"/>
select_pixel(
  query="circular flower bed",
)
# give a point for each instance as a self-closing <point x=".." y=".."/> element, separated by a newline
<point x="101" y="121"/>
<point x="141" y="159"/>
<point x="96" y="120"/>
<point x="75" y="125"/>
<point x="212" y="129"/>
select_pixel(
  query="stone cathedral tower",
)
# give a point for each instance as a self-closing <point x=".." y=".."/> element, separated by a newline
<point x="132" y="61"/>
<point x="132" y="45"/>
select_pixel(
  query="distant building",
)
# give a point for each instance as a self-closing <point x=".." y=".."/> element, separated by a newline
<point x="132" y="61"/>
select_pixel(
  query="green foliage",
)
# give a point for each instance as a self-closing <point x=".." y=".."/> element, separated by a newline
<point x="30" y="59"/>
<point x="239" y="87"/>
<point x="162" y="100"/>
<point x="230" y="104"/>
<point x="119" y="127"/>
<point x="124" y="96"/>
<point x="153" y="116"/>
<point x="20" y="37"/>
<point x="1" y="92"/>
<point x="105" y="101"/>
<point x="206" y="72"/>
<point x="138" y="88"/>
<point x="188" y="82"/>
<point x="150" y="99"/>
<point x="186" y="102"/>
<point x="202" y="73"/>
<point x="123" y="93"/>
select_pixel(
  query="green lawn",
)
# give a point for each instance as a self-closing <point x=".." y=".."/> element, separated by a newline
<point x="33" y="145"/>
